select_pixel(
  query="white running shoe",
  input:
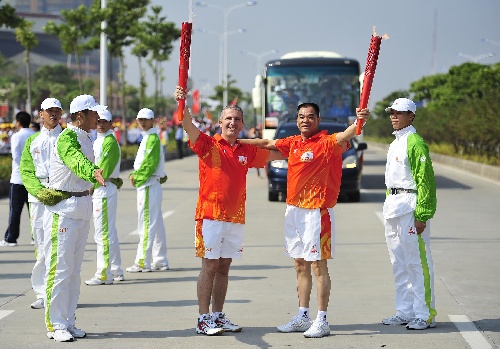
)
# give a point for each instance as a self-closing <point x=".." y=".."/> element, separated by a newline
<point x="395" y="320"/>
<point x="297" y="324"/>
<point x="159" y="266"/>
<point x="137" y="269"/>
<point x="118" y="278"/>
<point x="223" y="322"/>
<point x="38" y="304"/>
<point x="208" y="327"/>
<point x="61" y="336"/>
<point x="420" y="324"/>
<point x="76" y="332"/>
<point x="96" y="282"/>
<point x="318" y="329"/>
<point x="4" y="243"/>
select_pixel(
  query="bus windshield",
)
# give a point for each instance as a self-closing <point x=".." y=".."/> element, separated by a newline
<point x="334" y="88"/>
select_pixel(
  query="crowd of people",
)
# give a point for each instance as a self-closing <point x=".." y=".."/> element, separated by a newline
<point x="69" y="180"/>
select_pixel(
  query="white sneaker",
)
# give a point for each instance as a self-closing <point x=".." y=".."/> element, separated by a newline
<point x="223" y="322"/>
<point x="96" y="282"/>
<point x="208" y="327"/>
<point x="420" y="324"/>
<point x="137" y="269"/>
<point x="4" y="243"/>
<point x="61" y="336"/>
<point x="118" y="278"/>
<point x="38" y="304"/>
<point x="297" y="324"/>
<point x="318" y="329"/>
<point x="159" y="266"/>
<point x="76" y="332"/>
<point x="395" y="320"/>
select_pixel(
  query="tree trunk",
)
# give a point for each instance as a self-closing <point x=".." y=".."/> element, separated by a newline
<point x="79" y="70"/>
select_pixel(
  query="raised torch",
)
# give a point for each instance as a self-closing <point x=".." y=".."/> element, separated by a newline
<point x="184" y="64"/>
<point x="371" y="65"/>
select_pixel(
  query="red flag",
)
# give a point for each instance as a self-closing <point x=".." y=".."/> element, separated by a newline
<point x="185" y="53"/>
<point x="235" y="100"/>
<point x="196" y="101"/>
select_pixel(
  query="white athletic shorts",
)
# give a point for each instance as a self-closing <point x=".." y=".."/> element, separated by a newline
<point x="310" y="233"/>
<point x="217" y="239"/>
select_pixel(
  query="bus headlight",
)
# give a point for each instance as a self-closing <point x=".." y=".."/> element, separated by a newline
<point x="279" y="164"/>
<point x="349" y="162"/>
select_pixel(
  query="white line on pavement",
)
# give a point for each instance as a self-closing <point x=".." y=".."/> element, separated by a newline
<point x="380" y="216"/>
<point x="4" y="313"/>
<point x="470" y="332"/>
<point x="164" y="215"/>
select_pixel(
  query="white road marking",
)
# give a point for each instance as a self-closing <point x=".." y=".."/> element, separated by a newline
<point x="380" y="216"/>
<point x="164" y="215"/>
<point x="4" y="313"/>
<point x="470" y="332"/>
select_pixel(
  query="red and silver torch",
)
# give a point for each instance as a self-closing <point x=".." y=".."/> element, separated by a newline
<point x="371" y="65"/>
<point x="184" y="64"/>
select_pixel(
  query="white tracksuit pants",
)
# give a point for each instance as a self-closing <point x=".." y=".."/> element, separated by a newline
<point x="106" y="238"/>
<point x="64" y="242"/>
<point x="38" y="273"/>
<point x="412" y="267"/>
<point x="152" y="246"/>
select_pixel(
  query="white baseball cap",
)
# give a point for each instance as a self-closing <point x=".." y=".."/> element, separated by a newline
<point x="403" y="104"/>
<point x="50" y="103"/>
<point x="85" y="102"/>
<point x="105" y="115"/>
<point x="145" y="113"/>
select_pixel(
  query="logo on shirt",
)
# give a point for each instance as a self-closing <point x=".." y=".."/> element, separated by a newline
<point x="313" y="249"/>
<point x="423" y="158"/>
<point x="242" y="159"/>
<point x="307" y="156"/>
<point x="411" y="232"/>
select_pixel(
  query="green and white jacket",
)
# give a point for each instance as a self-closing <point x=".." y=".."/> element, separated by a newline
<point x="149" y="164"/>
<point x="72" y="170"/>
<point x="107" y="156"/>
<point x="35" y="160"/>
<point x="409" y="166"/>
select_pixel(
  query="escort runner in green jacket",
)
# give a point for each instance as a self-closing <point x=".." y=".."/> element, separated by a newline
<point x="34" y="169"/>
<point x="147" y="177"/>
<point x="410" y="204"/>
<point x="105" y="200"/>
<point x="66" y="224"/>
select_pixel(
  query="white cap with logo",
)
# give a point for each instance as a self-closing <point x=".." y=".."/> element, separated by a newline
<point x="104" y="115"/>
<point x="50" y="103"/>
<point x="145" y="113"/>
<point x="85" y="102"/>
<point x="403" y="104"/>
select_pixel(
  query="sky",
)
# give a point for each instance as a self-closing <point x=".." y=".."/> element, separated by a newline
<point x="425" y="37"/>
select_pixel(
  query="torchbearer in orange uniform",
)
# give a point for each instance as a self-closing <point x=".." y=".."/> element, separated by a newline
<point x="313" y="185"/>
<point x="220" y="212"/>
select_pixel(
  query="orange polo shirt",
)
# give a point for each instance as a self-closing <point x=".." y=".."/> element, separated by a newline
<point x="222" y="171"/>
<point x="314" y="170"/>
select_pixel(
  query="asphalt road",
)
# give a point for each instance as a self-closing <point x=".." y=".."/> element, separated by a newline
<point x="159" y="309"/>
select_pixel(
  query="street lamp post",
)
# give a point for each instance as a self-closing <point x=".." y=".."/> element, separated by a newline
<point x="258" y="56"/>
<point x="476" y="59"/>
<point x="227" y="11"/>
<point x="221" y="47"/>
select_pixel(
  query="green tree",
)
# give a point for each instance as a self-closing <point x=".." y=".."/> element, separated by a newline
<point x="27" y="39"/>
<point x="55" y="81"/>
<point x="158" y="36"/>
<point x="8" y="16"/>
<point x="140" y="51"/>
<point x="79" y="32"/>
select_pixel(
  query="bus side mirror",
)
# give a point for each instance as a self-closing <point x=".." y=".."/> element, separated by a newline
<point x="257" y="97"/>
<point x="257" y="93"/>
